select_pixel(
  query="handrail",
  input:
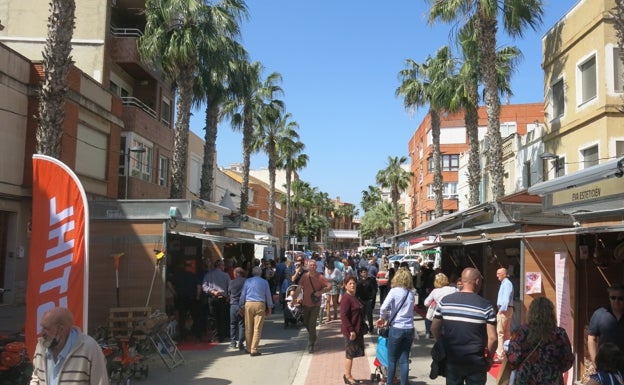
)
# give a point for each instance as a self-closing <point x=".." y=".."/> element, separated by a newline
<point x="127" y="32"/>
<point x="132" y="101"/>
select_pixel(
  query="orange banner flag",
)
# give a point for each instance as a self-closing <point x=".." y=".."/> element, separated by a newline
<point x="58" y="261"/>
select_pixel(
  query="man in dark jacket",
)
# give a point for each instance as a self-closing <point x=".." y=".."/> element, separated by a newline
<point x="365" y="291"/>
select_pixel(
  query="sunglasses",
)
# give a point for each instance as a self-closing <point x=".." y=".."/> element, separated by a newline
<point x="614" y="298"/>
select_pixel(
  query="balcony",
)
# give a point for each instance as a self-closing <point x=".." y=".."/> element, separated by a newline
<point x="123" y="51"/>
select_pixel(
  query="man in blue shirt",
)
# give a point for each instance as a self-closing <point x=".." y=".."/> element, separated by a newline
<point x="257" y="301"/>
<point x="505" y="312"/>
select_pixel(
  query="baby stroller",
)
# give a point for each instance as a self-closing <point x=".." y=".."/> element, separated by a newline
<point x="381" y="361"/>
<point x="292" y="309"/>
<point x="380" y="374"/>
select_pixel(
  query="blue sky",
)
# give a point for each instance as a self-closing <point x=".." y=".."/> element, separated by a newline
<point x="340" y="60"/>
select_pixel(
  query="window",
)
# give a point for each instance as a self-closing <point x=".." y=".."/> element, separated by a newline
<point x="449" y="163"/>
<point x="163" y="171"/>
<point x="449" y="191"/>
<point x="558" y="101"/>
<point x="588" y="80"/>
<point x="91" y="149"/>
<point x="559" y="166"/>
<point x="117" y="89"/>
<point x="430" y="192"/>
<point x="141" y="162"/>
<point x="508" y="128"/>
<point x="165" y="111"/>
<point x="527" y="174"/>
<point x="619" y="147"/>
<point x="590" y="156"/>
<point x="618" y="71"/>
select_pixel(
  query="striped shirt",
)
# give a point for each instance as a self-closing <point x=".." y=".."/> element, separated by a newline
<point x="464" y="318"/>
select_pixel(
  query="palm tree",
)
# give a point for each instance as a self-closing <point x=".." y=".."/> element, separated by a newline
<point x="397" y="179"/>
<point x="378" y="221"/>
<point x="431" y="83"/>
<point x="301" y="200"/>
<point x="175" y="32"/>
<point x="346" y="212"/>
<point x="291" y="159"/>
<point x="370" y="198"/>
<point x="468" y="97"/>
<point x="56" y="64"/>
<point x="516" y="16"/>
<point x="218" y="66"/>
<point x="271" y="137"/>
<point x="245" y="109"/>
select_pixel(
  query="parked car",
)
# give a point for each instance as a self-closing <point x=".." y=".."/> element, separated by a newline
<point x="412" y="264"/>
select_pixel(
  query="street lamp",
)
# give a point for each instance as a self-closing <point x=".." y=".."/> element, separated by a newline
<point x="136" y="150"/>
<point x="555" y="159"/>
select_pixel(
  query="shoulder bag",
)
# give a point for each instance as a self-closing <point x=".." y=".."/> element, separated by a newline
<point x="385" y="330"/>
<point x="507" y="374"/>
<point x="315" y="298"/>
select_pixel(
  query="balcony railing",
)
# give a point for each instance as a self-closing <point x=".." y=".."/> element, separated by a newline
<point x="126" y="32"/>
<point x="134" y="102"/>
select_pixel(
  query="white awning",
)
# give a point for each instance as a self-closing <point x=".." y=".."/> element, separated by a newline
<point x="221" y="238"/>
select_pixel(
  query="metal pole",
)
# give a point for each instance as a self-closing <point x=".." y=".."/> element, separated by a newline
<point x="127" y="172"/>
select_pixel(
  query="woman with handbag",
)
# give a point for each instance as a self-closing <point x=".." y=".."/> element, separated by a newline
<point x="397" y="313"/>
<point x="352" y="323"/>
<point x="539" y="350"/>
<point x="441" y="290"/>
<point x="314" y="285"/>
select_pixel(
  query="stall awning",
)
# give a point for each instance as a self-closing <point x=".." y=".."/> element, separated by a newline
<point x="221" y="238"/>
<point x="567" y="231"/>
<point x="451" y="221"/>
<point x="247" y="234"/>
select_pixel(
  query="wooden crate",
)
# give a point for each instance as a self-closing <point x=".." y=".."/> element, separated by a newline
<point x="124" y="322"/>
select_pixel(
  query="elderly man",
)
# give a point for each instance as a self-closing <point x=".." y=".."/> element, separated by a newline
<point x="65" y="355"/>
<point x="257" y="300"/>
<point x="215" y="286"/>
<point x="505" y="312"/>
<point x="314" y="285"/>
<point x="469" y="327"/>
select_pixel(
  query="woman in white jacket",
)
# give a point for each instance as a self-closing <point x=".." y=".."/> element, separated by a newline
<point x="441" y="290"/>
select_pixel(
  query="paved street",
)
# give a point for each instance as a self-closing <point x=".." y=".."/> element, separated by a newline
<point x="284" y="359"/>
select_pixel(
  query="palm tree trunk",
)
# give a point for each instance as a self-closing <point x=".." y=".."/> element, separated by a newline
<point x="486" y="32"/>
<point x="56" y="64"/>
<point x="288" y="216"/>
<point x="210" y="149"/>
<point x="437" y="167"/>
<point x="272" y="161"/>
<point x="247" y="144"/>
<point x="180" y="144"/>
<point x="471" y="117"/>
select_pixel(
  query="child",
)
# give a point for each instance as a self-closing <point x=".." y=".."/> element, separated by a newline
<point x="608" y="361"/>
<point x="293" y="306"/>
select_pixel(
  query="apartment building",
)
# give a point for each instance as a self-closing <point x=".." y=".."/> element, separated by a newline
<point x="583" y="90"/>
<point x="516" y="120"/>
<point x="104" y="47"/>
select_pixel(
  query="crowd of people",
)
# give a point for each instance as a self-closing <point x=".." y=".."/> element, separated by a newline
<point x="231" y="302"/>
